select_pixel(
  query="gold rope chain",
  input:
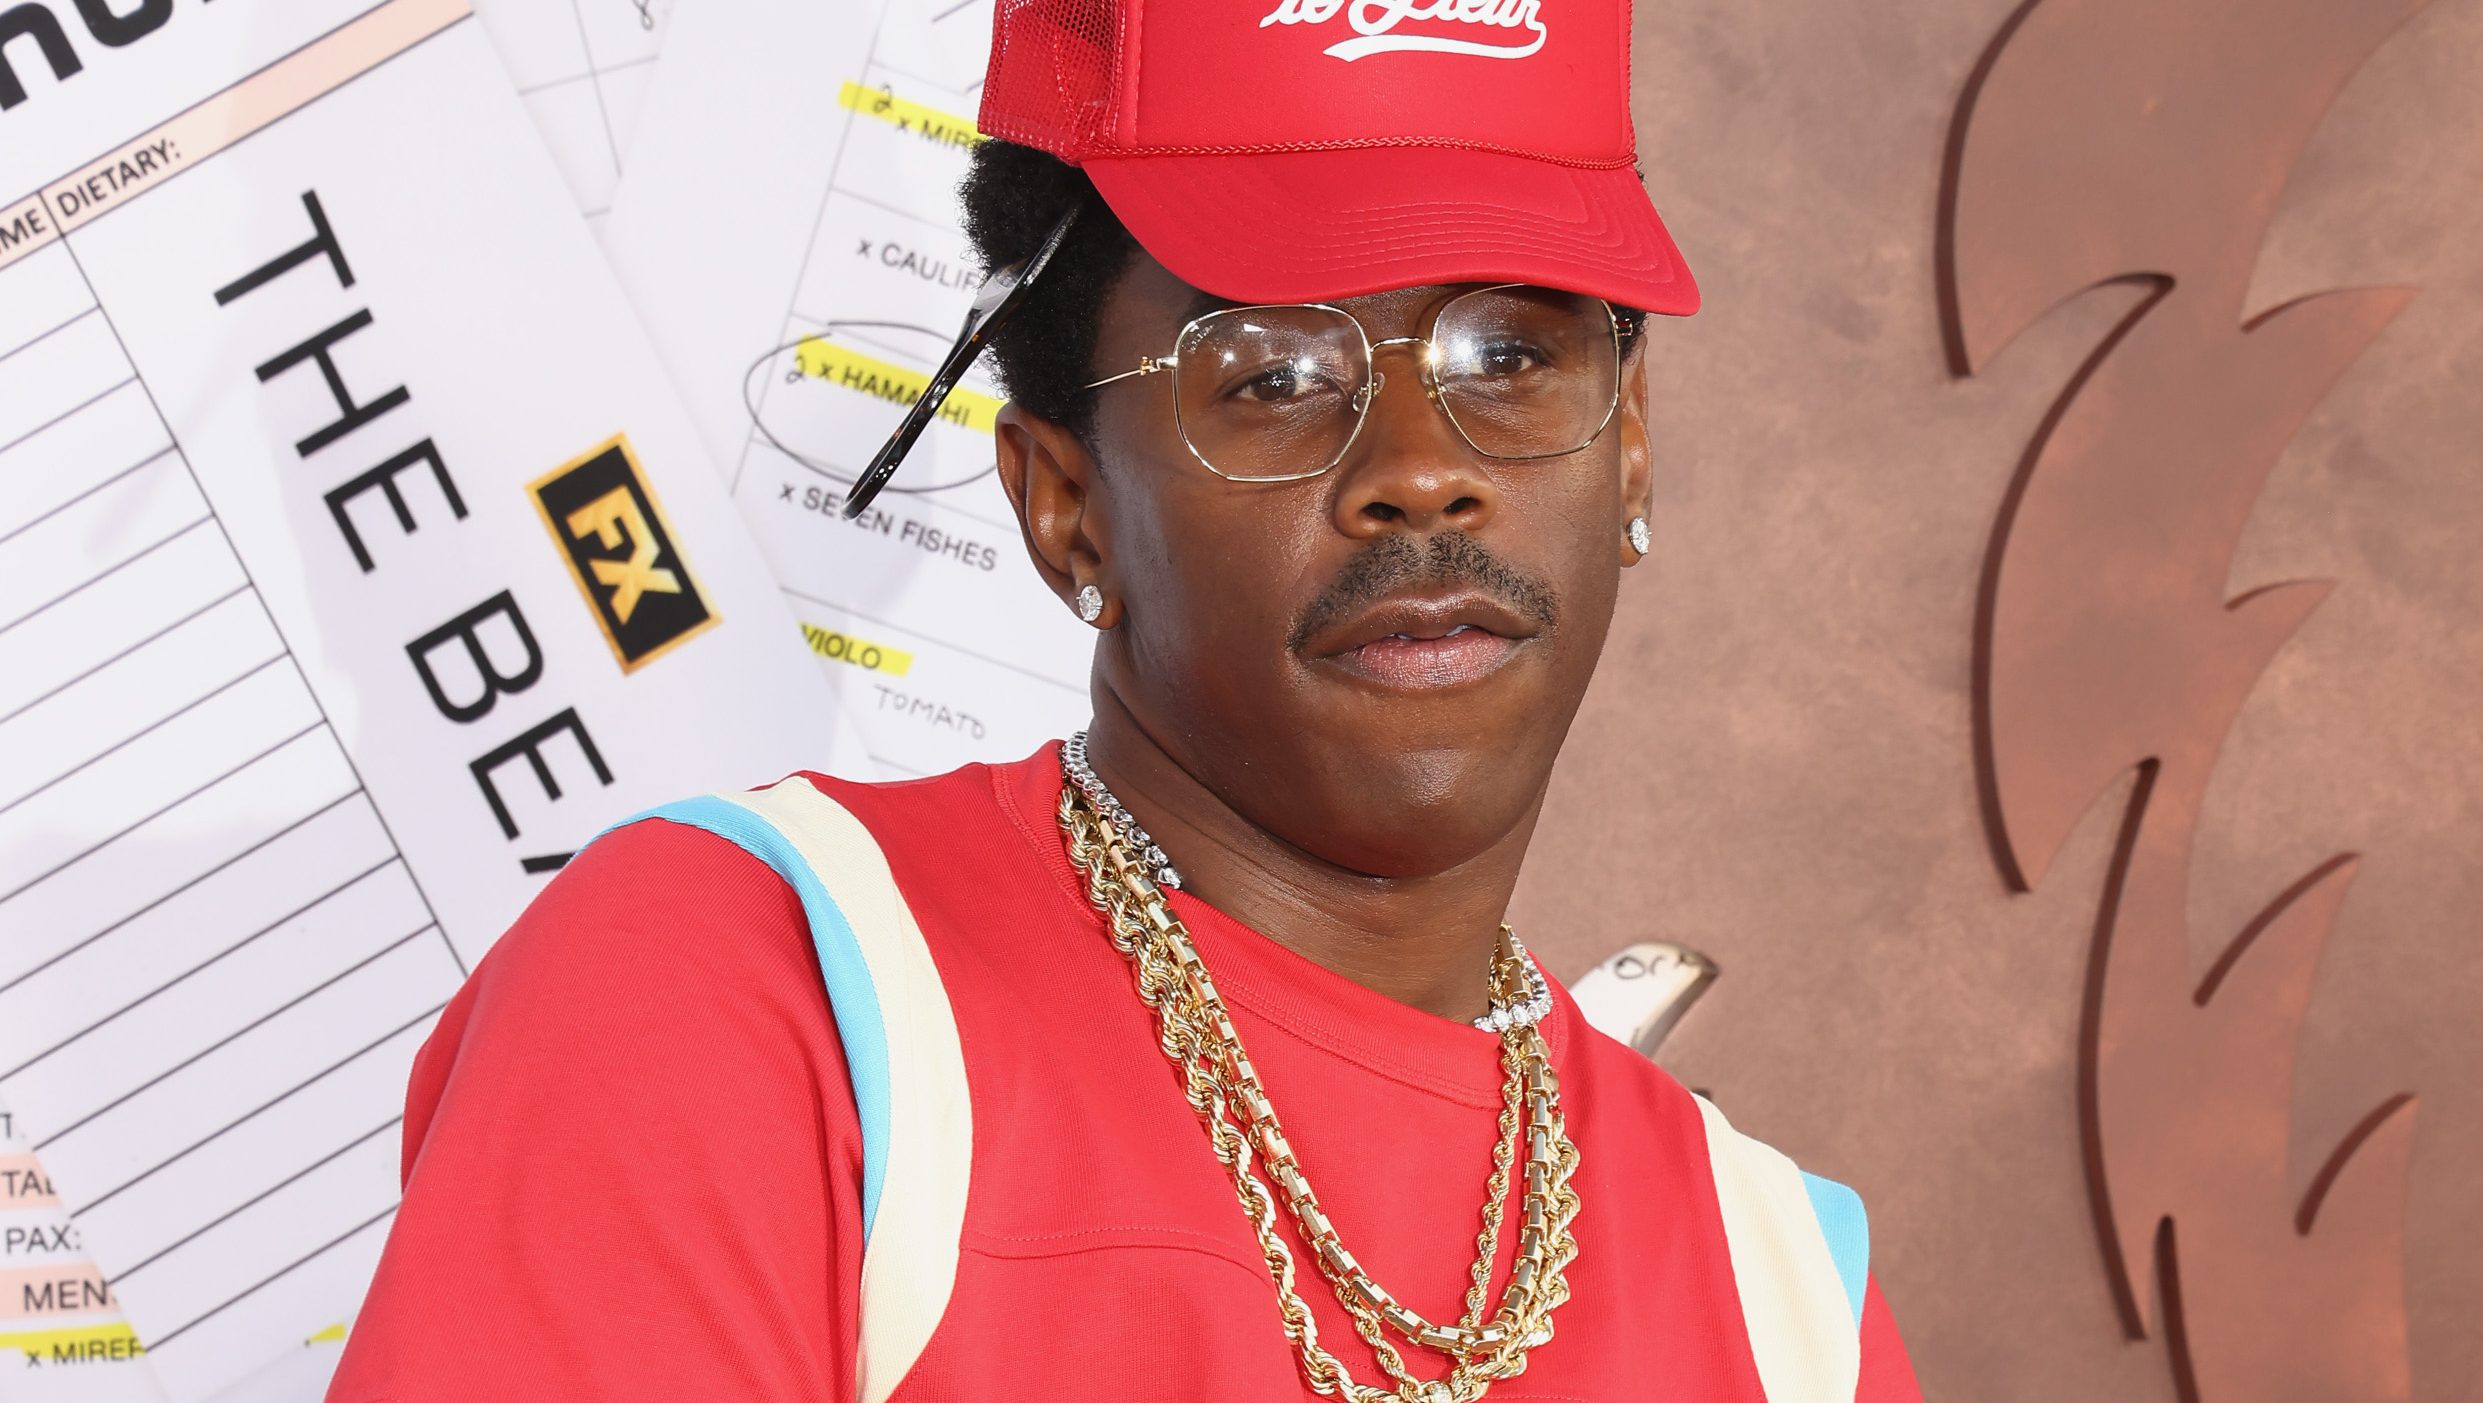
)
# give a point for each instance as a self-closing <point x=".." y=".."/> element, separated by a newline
<point x="1196" y="1033"/>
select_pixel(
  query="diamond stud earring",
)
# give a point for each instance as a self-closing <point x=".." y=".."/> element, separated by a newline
<point x="1091" y="602"/>
<point x="1638" y="534"/>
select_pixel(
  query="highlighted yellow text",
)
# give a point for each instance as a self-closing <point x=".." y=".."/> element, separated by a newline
<point x="860" y="652"/>
<point x="905" y="114"/>
<point x="822" y="359"/>
<point x="114" y="1341"/>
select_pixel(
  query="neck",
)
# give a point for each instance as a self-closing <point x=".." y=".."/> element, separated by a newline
<point x="1425" y="941"/>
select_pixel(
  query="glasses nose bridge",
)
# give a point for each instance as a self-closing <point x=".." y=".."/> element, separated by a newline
<point x="1426" y="368"/>
<point x="1426" y="362"/>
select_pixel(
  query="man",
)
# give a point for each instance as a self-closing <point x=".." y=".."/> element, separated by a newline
<point x="1184" y="1061"/>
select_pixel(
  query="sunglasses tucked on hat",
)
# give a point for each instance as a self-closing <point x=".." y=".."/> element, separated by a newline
<point x="1307" y="150"/>
<point x="1324" y="149"/>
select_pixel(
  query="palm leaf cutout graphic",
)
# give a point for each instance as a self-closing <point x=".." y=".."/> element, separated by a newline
<point x="2148" y="142"/>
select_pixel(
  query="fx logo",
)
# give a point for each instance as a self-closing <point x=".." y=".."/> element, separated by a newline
<point x="609" y="526"/>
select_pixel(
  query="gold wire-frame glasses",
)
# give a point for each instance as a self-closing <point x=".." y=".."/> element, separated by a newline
<point x="1431" y="357"/>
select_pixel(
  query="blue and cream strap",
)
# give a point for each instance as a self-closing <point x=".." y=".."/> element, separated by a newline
<point x="1801" y="1249"/>
<point x="901" y="1049"/>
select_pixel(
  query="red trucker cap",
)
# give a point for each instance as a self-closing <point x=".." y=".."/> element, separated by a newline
<point x="1306" y="150"/>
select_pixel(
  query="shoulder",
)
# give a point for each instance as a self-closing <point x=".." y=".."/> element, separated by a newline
<point x="631" y="1123"/>
<point x="1798" y="1243"/>
<point x="1801" y="1251"/>
<point x="873" y="864"/>
<point x="658" y="947"/>
<point x="884" y="994"/>
<point x="1760" y="1191"/>
<point x="1814" y="1228"/>
<point x="966" y="809"/>
<point x="1764" y="1186"/>
<point x="811" y="854"/>
<point x="723" y="911"/>
<point x="651" y="902"/>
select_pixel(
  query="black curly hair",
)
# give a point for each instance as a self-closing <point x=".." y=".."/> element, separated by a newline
<point x="1013" y="195"/>
<point x="1043" y="357"/>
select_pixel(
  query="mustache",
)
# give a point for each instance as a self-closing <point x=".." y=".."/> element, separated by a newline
<point x="1398" y="562"/>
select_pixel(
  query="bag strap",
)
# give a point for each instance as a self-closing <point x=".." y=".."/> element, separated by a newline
<point x="900" y="1039"/>
<point x="1801" y="1250"/>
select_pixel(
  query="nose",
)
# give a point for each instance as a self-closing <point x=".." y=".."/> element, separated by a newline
<point x="1408" y="469"/>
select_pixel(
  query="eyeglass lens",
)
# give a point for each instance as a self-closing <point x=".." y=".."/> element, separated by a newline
<point x="1269" y="393"/>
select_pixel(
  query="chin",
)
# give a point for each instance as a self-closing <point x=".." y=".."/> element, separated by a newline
<point x="1396" y="811"/>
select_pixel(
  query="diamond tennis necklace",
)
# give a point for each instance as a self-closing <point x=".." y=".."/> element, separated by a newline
<point x="1526" y="1008"/>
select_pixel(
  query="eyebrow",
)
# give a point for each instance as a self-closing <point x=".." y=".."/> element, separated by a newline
<point x="1204" y="303"/>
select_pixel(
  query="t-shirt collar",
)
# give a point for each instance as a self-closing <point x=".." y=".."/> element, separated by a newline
<point x="1301" y="997"/>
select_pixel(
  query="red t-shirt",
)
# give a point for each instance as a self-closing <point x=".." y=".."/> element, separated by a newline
<point x="633" y="1165"/>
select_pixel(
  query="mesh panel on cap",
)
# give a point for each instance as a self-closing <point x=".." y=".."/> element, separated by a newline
<point x="1053" y="66"/>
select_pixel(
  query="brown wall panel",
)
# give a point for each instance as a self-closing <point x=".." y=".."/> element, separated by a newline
<point x="1777" y="765"/>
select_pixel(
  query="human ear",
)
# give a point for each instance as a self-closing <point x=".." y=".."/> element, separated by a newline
<point x="1637" y="456"/>
<point x="1050" y="476"/>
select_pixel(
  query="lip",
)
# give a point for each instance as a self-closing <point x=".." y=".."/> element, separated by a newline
<point x="1417" y="643"/>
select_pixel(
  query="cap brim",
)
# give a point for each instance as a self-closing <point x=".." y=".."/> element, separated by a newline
<point x="1313" y="226"/>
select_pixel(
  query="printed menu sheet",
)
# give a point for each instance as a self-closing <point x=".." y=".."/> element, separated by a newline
<point x="788" y="229"/>
<point x="56" y="1313"/>
<point x="62" y="1340"/>
<point x="582" y="69"/>
<point x="356" y="566"/>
